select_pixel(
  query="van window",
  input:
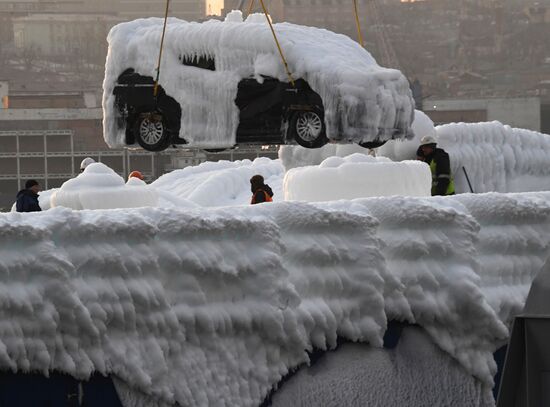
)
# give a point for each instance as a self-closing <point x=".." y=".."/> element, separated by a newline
<point x="198" y="61"/>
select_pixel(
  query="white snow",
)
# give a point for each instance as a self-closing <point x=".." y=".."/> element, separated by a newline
<point x="99" y="187"/>
<point x="213" y="306"/>
<point x="362" y="101"/>
<point x="357" y="176"/>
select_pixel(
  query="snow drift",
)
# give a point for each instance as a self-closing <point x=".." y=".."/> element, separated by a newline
<point x="362" y="101"/>
<point x="357" y="176"/>
<point x="214" y="306"/>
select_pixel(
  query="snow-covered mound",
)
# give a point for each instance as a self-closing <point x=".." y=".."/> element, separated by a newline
<point x="362" y="100"/>
<point x="357" y="176"/>
<point x="214" y="306"/>
<point x="497" y="157"/>
<point x="222" y="183"/>
<point x="99" y="187"/>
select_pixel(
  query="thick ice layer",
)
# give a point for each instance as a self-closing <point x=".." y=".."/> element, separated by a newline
<point x="362" y="101"/>
<point x="414" y="374"/>
<point x="497" y="157"/>
<point x="357" y="176"/>
<point x="99" y="187"/>
<point x="400" y="150"/>
<point x="513" y="227"/>
<point x="213" y="306"/>
<point x="222" y="183"/>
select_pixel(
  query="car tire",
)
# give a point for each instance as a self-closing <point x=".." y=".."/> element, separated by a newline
<point x="372" y="144"/>
<point x="308" y="128"/>
<point x="151" y="132"/>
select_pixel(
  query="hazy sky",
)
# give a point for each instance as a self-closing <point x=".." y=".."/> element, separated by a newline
<point x="214" y="6"/>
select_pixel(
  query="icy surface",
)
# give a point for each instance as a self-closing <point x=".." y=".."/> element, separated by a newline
<point x="362" y="101"/>
<point x="222" y="183"/>
<point x="400" y="150"/>
<point x="414" y="374"/>
<point x="497" y="157"/>
<point x="99" y="187"/>
<point x="357" y="176"/>
<point x="214" y="306"/>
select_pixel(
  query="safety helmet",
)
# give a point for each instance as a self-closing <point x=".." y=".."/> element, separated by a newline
<point x="136" y="174"/>
<point x="427" y="140"/>
<point x="85" y="162"/>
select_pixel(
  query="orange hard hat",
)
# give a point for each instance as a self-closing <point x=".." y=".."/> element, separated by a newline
<point x="136" y="174"/>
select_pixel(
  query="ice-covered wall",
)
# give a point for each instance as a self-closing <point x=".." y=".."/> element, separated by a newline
<point x="213" y="306"/>
<point x="497" y="158"/>
<point x="362" y="101"/>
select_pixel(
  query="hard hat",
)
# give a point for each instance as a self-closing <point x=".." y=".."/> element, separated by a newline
<point x="426" y="140"/>
<point x="85" y="162"/>
<point x="136" y="174"/>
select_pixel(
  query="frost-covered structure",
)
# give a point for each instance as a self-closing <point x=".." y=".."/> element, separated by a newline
<point x="214" y="306"/>
<point x="99" y="187"/>
<point x="357" y="176"/>
<point x="497" y="157"/>
<point x="362" y="101"/>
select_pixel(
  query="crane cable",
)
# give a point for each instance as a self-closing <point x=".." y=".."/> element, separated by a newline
<point x="155" y="89"/>
<point x="290" y="78"/>
<point x="357" y="23"/>
<point x="250" y="7"/>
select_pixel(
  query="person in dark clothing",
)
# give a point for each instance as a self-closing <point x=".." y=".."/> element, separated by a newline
<point x="27" y="199"/>
<point x="440" y="166"/>
<point x="260" y="191"/>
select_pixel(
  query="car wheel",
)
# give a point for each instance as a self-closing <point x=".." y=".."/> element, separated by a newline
<point x="151" y="131"/>
<point x="308" y="128"/>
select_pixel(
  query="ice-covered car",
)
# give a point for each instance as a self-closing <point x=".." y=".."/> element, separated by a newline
<point x="224" y="83"/>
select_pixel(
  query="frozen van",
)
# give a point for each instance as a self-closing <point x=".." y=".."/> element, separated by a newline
<point x="223" y="83"/>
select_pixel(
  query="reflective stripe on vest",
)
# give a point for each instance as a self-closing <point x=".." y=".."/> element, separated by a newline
<point x="267" y="197"/>
<point x="450" y="187"/>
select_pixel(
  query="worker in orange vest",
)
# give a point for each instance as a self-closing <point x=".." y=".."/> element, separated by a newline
<point x="260" y="191"/>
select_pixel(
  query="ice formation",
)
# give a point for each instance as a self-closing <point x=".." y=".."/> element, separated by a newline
<point x="400" y="150"/>
<point x="213" y="306"/>
<point x="357" y="176"/>
<point x="496" y="157"/>
<point x="415" y="373"/>
<point x="222" y="183"/>
<point x="99" y="187"/>
<point x="362" y="100"/>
